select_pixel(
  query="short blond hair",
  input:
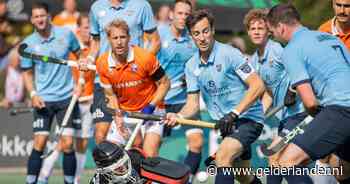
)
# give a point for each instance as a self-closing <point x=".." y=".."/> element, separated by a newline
<point x="255" y="14"/>
<point x="117" y="23"/>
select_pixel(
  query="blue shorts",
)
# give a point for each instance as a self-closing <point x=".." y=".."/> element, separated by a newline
<point x="99" y="108"/>
<point x="288" y="124"/>
<point x="43" y="118"/>
<point x="328" y="133"/>
<point x="246" y="132"/>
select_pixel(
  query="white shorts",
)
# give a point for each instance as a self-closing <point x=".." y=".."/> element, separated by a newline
<point x="130" y="123"/>
<point x="87" y="130"/>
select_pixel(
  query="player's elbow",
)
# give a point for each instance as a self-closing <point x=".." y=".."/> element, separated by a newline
<point x="259" y="86"/>
<point x="165" y="82"/>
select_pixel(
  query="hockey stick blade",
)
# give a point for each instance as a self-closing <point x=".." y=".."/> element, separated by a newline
<point x="287" y="138"/>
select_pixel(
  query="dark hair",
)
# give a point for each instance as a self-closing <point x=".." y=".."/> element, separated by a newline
<point x="41" y="5"/>
<point x="283" y="13"/>
<point x="188" y="2"/>
<point x="82" y="16"/>
<point x="197" y="16"/>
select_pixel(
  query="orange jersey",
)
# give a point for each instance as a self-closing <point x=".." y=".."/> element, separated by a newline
<point x="66" y="20"/>
<point x="329" y="27"/>
<point x="89" y="77"/>
<point x="132" y="81"/>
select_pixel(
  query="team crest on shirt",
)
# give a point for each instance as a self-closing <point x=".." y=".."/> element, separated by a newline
<point x="245" y="68"/>
<point x="218" y="67"/>
<point x="134" y="67"/>
<point x="129" y="12"/>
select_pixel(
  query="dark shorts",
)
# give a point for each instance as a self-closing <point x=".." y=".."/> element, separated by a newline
<point x="44" y="117"/>
<point x="290" y="123"/>
<point x="328" y="133"/>
<point x="247" y="131"/>
<point x="98" y="108"/>
<point x="175" y="108"/>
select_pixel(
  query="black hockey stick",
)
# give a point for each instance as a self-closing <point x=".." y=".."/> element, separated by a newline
<point x="287" y="138"/>
<point x="48" y="59"/>
<point x="20" y="110"/>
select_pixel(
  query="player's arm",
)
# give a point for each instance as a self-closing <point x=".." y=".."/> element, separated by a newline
<point x="163" y="85"/>
<point x="37" y="102"/>
<point x="308" y="97"/>
<point x="149" y="27"/>
<point x="154" y="39"/>
<point x="191" y="107"/>
<point x="266" y="99"/>
<point x="256" y="88"/>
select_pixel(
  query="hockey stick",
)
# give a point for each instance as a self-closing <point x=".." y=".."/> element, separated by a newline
<point x="66" y="115"/>
<point x="287" y="138"/>
<point x="181" y="121"/>
<point x="47" y="59"/>
<point x="273" y="111"/>
<point x="20" y="110"/>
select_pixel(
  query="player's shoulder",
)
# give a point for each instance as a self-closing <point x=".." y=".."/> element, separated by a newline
<point x="102" y="60"/>
<point x="275" y="47"/>
<point x="142" y="55"/>
<point x="326" y="26"/>
<point x="163" y="30"/>
<point x="193" y="61"/>
<point x="31" y="39"/>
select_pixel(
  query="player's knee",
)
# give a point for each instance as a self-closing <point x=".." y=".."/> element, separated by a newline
<point x="195" y="144"/>
<point x="287" y="161"/>
<point x="99" y="137"/>
<point x="224" y="157"/>
<point x="66" y="144"/>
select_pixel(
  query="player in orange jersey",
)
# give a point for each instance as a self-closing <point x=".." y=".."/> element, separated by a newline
<point x="133" y="80"/>
<point x="68" y="17"/>
<point x="339" y="25"/>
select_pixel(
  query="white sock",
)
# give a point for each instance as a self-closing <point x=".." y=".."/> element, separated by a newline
<point x="48" y="164"/>
<point x="81" y="158"/>
<point x="323" y="179"/>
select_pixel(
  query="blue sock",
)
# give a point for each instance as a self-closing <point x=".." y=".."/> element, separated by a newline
<point x="69" y="167"/>
<point x="299" y="179"/>
<point x="193" y="160"/>
<point x="34" y="166"/>
<point x="274" y="179"/>
<point x="223" y="177"/>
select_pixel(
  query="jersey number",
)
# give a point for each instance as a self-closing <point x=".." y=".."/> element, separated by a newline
<point x="338" y="48"/>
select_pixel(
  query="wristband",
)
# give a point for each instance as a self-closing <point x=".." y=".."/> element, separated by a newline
<point x="32" y="94"/>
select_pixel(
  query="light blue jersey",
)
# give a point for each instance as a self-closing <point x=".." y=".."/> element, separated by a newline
<point x="137" y="14"/>
<point x="53" y="82"/>
<point x="173" y="56"/>
<point x="322" y="60"/>
<point x="221" y="81"/>
<point x="272" y="72"/>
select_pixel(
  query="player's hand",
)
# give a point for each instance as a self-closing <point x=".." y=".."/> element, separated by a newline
<point x="83" y="62"/>
<point x="38" y="102"/>
<point x="77" y="90"/>
<point x="170" y="119"/>
<point x="290" y="98"/>
<point x="227" y="123"/>
<point x="119" y="122"/>
<point x="314" y="111"/>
